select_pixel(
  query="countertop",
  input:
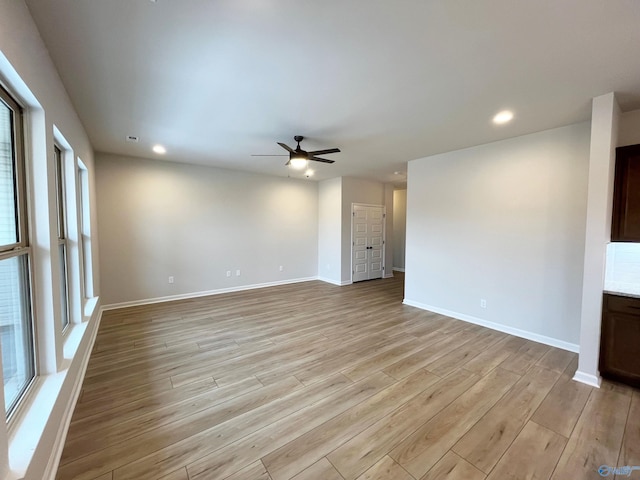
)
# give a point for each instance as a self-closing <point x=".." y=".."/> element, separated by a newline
<point x="622" y="289"/>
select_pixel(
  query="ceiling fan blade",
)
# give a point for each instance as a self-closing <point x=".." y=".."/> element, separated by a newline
<point x="324" y="160"/>
<point x="324" y="152"/>
<point x="286" y="147"/>
<point x="283" y="155"/>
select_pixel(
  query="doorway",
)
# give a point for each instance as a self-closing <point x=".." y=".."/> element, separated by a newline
<point x="367" y="242"/>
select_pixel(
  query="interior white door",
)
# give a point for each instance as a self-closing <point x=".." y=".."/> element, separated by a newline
<point x="360" y="248"/>
<point x="368" y="242"/>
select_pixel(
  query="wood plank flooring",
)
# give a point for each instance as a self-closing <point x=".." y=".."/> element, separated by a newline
<point x="313" y="381"/>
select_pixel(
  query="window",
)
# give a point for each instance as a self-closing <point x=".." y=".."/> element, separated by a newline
<point x="85" y="229"/>
<point x="16" y="327"/>
<point x="62" y="237"/>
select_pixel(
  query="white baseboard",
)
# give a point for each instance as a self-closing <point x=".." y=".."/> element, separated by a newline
<point x="536" y="337"/>
<point x="335" y="282"/>
<point x="398" y="269"/>
<point x="220" y="291"/>
<point x="388" y="275"/>
<point x="588" y="379"/>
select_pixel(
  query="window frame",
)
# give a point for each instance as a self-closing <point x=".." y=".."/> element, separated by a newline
<point x="84" y="231"/>
<point x="61" y="210"/>
<point x="19" y="181"/>
<point x="22" y="247"/>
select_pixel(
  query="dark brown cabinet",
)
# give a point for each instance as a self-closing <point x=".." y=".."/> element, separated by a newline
<point x="625" y="226"/>
<point x="620" y="339"/>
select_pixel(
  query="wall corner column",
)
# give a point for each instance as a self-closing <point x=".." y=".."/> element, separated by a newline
<point x="388" y="250"/>
<point x="604" y="131"/>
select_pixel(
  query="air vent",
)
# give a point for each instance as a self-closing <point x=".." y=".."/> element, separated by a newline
<point x="133" y="139"/>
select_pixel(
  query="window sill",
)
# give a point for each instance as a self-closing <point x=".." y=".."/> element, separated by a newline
<point x="47" y="410"/>
<point x="89" y="308"/>
<point x="31" y="427"/>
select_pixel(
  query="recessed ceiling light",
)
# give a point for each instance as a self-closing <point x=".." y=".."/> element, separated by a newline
<point x="159" y="149"/>
<point x="502" y="117"/>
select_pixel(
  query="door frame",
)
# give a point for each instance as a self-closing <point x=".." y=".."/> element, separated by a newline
<point x="384" y="236"/>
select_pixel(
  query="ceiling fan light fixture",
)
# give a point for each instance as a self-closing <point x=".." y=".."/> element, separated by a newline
<point x="298" y="163"/>
<point x="299" y="159"/>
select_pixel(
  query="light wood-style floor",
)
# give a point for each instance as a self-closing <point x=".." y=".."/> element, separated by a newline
<point x="313" y="381"/>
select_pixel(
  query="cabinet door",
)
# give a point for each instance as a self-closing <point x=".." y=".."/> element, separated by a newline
<point x="620" y="347"/>
<point x="625" y="226"/>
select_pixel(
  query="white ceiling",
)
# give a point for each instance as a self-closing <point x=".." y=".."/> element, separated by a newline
<point x="385" y="81"/>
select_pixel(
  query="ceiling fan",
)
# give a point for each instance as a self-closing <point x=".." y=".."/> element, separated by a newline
<point x="298" y="158"/>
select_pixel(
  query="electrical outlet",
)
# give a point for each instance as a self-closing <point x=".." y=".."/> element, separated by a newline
<point x="170" y="279"/>
<point x="281" y="268"/>
<point x="483" y="303"/>
<point x="228" y="273"/>
<point x="237" y="273"/>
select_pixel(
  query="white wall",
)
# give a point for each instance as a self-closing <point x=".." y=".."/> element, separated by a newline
<point x="160" y="219"/>
<point x="399" y="228"/>
<point x="330" y="230"/>
<point x="629" y="129"/>
<point x="356" y="190"/>
<point x="27" y="71"/>
<point x="336" y="197"/>
<point x="504" y="222"/>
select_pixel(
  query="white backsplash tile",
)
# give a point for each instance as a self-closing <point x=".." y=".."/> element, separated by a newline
<point x="623" y="267"/>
